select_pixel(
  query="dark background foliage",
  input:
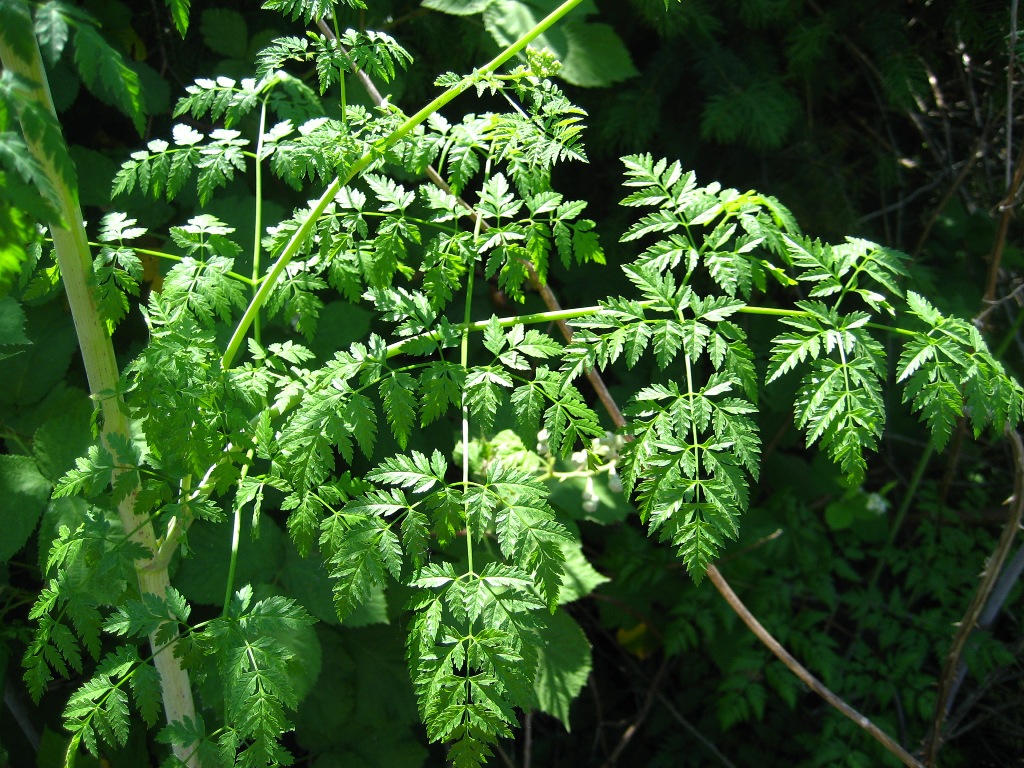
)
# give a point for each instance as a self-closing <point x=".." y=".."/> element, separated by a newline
<point x="884" y="119"/>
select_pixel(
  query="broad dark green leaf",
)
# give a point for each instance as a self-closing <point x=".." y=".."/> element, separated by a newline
<point x="24" y="492"/>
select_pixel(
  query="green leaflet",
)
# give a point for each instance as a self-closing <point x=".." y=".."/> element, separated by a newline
<point x="12" y="321"/>
<point x="180" y="14"/>
<point x="948" y="370"/>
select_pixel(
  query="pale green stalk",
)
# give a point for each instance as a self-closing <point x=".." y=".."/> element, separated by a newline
<point x="464" y="361"/>
<point x="236" y="535"/>
<point x="258" y="225"/>
<point x="173" y="257"/>
<point x="75" y="261"/>
<point x="342" y="70"/>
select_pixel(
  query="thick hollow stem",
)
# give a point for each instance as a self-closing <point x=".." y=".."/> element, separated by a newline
<point x="73" y="257"/>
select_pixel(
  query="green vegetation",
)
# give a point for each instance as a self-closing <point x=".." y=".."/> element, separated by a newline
<point x="354" y="432"/>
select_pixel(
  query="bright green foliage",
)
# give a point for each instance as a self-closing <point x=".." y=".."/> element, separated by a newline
<point x="87" y="567"/>
<point x="38" y="126"/>
<point x="473" y="640"/>
<point x="252" y="662"/>
<point x="163" y="170"/>
<point x="950" y="372"/>
<point x="117" y="270"/>
<point x="839" y="402"/>
<point x="333" y="441"/>
<point x="99" y="708"/>
<point x="376" y="53"/>
<point x="100" y="66"/>
<point x="180" y="13"/>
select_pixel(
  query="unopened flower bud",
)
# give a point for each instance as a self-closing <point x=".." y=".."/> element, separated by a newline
<point x="590" y="500"/>
<point x="614" y="481"/>
<point x="543" y="447"/>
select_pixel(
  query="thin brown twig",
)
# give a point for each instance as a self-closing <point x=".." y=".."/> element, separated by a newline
<point x="988" y="580"/>
<point x="1006" y="209"/>
<point x="957" y="182"/>
<point x="528" y="739"/>
<point x="801" y="672"/>
<point x="955" y="727"/>
<point x="747" y="617"/>
<point x="694" y="731"/>
<point x="504" y="757"/>
<point x="641" y="716"/>
<point x="615" y="414"/>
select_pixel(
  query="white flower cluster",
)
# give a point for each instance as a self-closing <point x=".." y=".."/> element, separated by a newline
<point x="606" y="449"/>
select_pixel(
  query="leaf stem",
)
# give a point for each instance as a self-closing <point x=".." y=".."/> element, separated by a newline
<point x="236" y="533"/>
<point x="173" y="257"/>
<point x="258" y="223"/>
<point x="464" y="361"/>
<point x="536" y="318"/>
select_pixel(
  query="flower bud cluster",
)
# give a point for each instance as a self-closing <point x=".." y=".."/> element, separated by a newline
<point x="606" y="450"/>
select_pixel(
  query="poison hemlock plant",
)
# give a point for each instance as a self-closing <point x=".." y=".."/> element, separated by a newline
<point x="233" y="418"/>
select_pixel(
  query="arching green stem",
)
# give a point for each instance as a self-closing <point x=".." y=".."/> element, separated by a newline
<point x="305" y="230"/>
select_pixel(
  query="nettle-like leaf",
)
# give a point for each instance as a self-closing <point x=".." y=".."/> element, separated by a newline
<point x="689" y="461"/>
<point x="117" y="271"/>
<point x="39" y="126"/>
<point x="309" y="10"/>
<point x="376" y="53"/>
<point x="52" y="28"/>
<point x="839" y="401"/>
<point x="949" y="372"/>
<point x="104" y="69"/>
<point x="252" y="664"/>
<point x="180" y="13"/>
